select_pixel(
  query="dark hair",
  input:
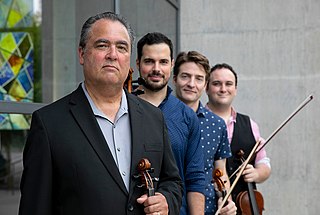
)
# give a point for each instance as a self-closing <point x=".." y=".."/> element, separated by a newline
<point x="108" y="16"/>
<point x="153" y="38"/>
<point x="192" y="56"/>
<point x="225" y="66"/>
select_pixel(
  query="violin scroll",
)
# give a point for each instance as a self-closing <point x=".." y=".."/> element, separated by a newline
<point x="133" y="86"/>
<point x="128" y="82"/>
<point x="217" y="178"/>
<point x="240" y="155"/>
<point x="144" y="168"/>
<point x="144" y="164"/>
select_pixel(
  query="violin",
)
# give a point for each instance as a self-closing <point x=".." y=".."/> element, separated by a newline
<point x="133" y="86"/>
<point x="144" y="168"/>
<point x="216" y="175"/>
<point x="128" y="82"/>
<point x="249" y="202"/>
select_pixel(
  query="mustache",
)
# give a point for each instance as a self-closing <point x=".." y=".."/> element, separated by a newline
<point x="155" y="73"/>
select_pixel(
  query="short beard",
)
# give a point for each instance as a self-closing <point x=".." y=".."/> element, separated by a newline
<point x="153" y="87"/>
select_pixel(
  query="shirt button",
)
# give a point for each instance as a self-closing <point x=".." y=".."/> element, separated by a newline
<point x="124" y="173"/>
<point x="118" y="149"/>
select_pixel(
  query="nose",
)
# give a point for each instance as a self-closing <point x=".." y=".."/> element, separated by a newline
<point x="191" y="82"/>
<point x="223" y="88"/>
<point x="112" y="53"/>
<point x="156" y="66"/>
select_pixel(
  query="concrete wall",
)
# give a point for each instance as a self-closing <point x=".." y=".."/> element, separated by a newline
<point x="274" y="47"/>
<point x="61" y="25"/>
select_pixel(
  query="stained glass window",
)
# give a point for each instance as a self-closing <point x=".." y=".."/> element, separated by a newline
<point x="16" y="58"/>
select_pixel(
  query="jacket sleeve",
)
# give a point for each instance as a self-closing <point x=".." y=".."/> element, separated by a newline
<point x="36" y="182"/>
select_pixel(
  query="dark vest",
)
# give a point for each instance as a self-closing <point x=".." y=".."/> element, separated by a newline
<point x="243" y="139"/>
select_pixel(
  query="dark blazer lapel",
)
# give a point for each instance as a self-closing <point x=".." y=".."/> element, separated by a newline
<point x="82" y="112"/>
<point x="137" y="128"/>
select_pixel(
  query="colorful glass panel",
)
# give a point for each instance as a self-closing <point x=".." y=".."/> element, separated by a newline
<point x="16" y="58"/>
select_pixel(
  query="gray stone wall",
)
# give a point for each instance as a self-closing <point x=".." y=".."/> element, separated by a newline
<point x="274" y="47"/>
<point x="61" y="26"/>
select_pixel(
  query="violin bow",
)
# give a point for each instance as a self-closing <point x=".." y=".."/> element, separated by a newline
<point x="254" y="150"/>
<point x="302" y="105"/>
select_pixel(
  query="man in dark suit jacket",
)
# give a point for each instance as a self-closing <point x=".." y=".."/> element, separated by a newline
<point x="75" y="159"/>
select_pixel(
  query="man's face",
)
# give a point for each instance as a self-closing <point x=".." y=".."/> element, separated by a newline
<point x="190" y="82"/>
<point x="221" y="87"/>
<point x="155" y="66"/>
<point x="106" y="57"/>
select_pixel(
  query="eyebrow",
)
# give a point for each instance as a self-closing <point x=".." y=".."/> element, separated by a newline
<point x="148" y="58"/>
<point x="123" y="42"/>
<point x="101" y="41"/>
<point x="186" y="73"/>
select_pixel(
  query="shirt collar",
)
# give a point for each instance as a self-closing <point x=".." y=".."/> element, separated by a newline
<point x="201" y="110"/>
<point x="233" y="117"/>
<point x="123" y="109"/>
<point x="169" y="91"/>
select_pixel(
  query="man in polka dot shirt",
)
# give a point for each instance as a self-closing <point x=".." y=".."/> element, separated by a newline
<point x="191" y="72"/>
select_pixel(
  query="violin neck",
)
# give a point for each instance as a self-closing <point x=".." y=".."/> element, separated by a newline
<point x="224" y="193"/>
<point x="253" y="201"/>
<point x="151" y="192"/>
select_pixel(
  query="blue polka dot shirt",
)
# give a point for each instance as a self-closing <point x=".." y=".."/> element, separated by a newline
<point x="215" y="145"/>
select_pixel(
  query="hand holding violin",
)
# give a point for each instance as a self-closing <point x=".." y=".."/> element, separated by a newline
<point x="250" y="174"/>
<point x="156" y="204"/>
<point x="256" y="174"/>
<point x="230" y="207"/>
<point x="153" y="202"/>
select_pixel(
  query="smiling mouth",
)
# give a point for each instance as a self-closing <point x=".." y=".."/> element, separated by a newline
<point x="155" y="77"/>
<point x="189" y="91"/>
<point x="223" y="96"/>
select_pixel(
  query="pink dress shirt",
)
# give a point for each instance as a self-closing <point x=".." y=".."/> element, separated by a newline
<point x="261" y="156"/>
